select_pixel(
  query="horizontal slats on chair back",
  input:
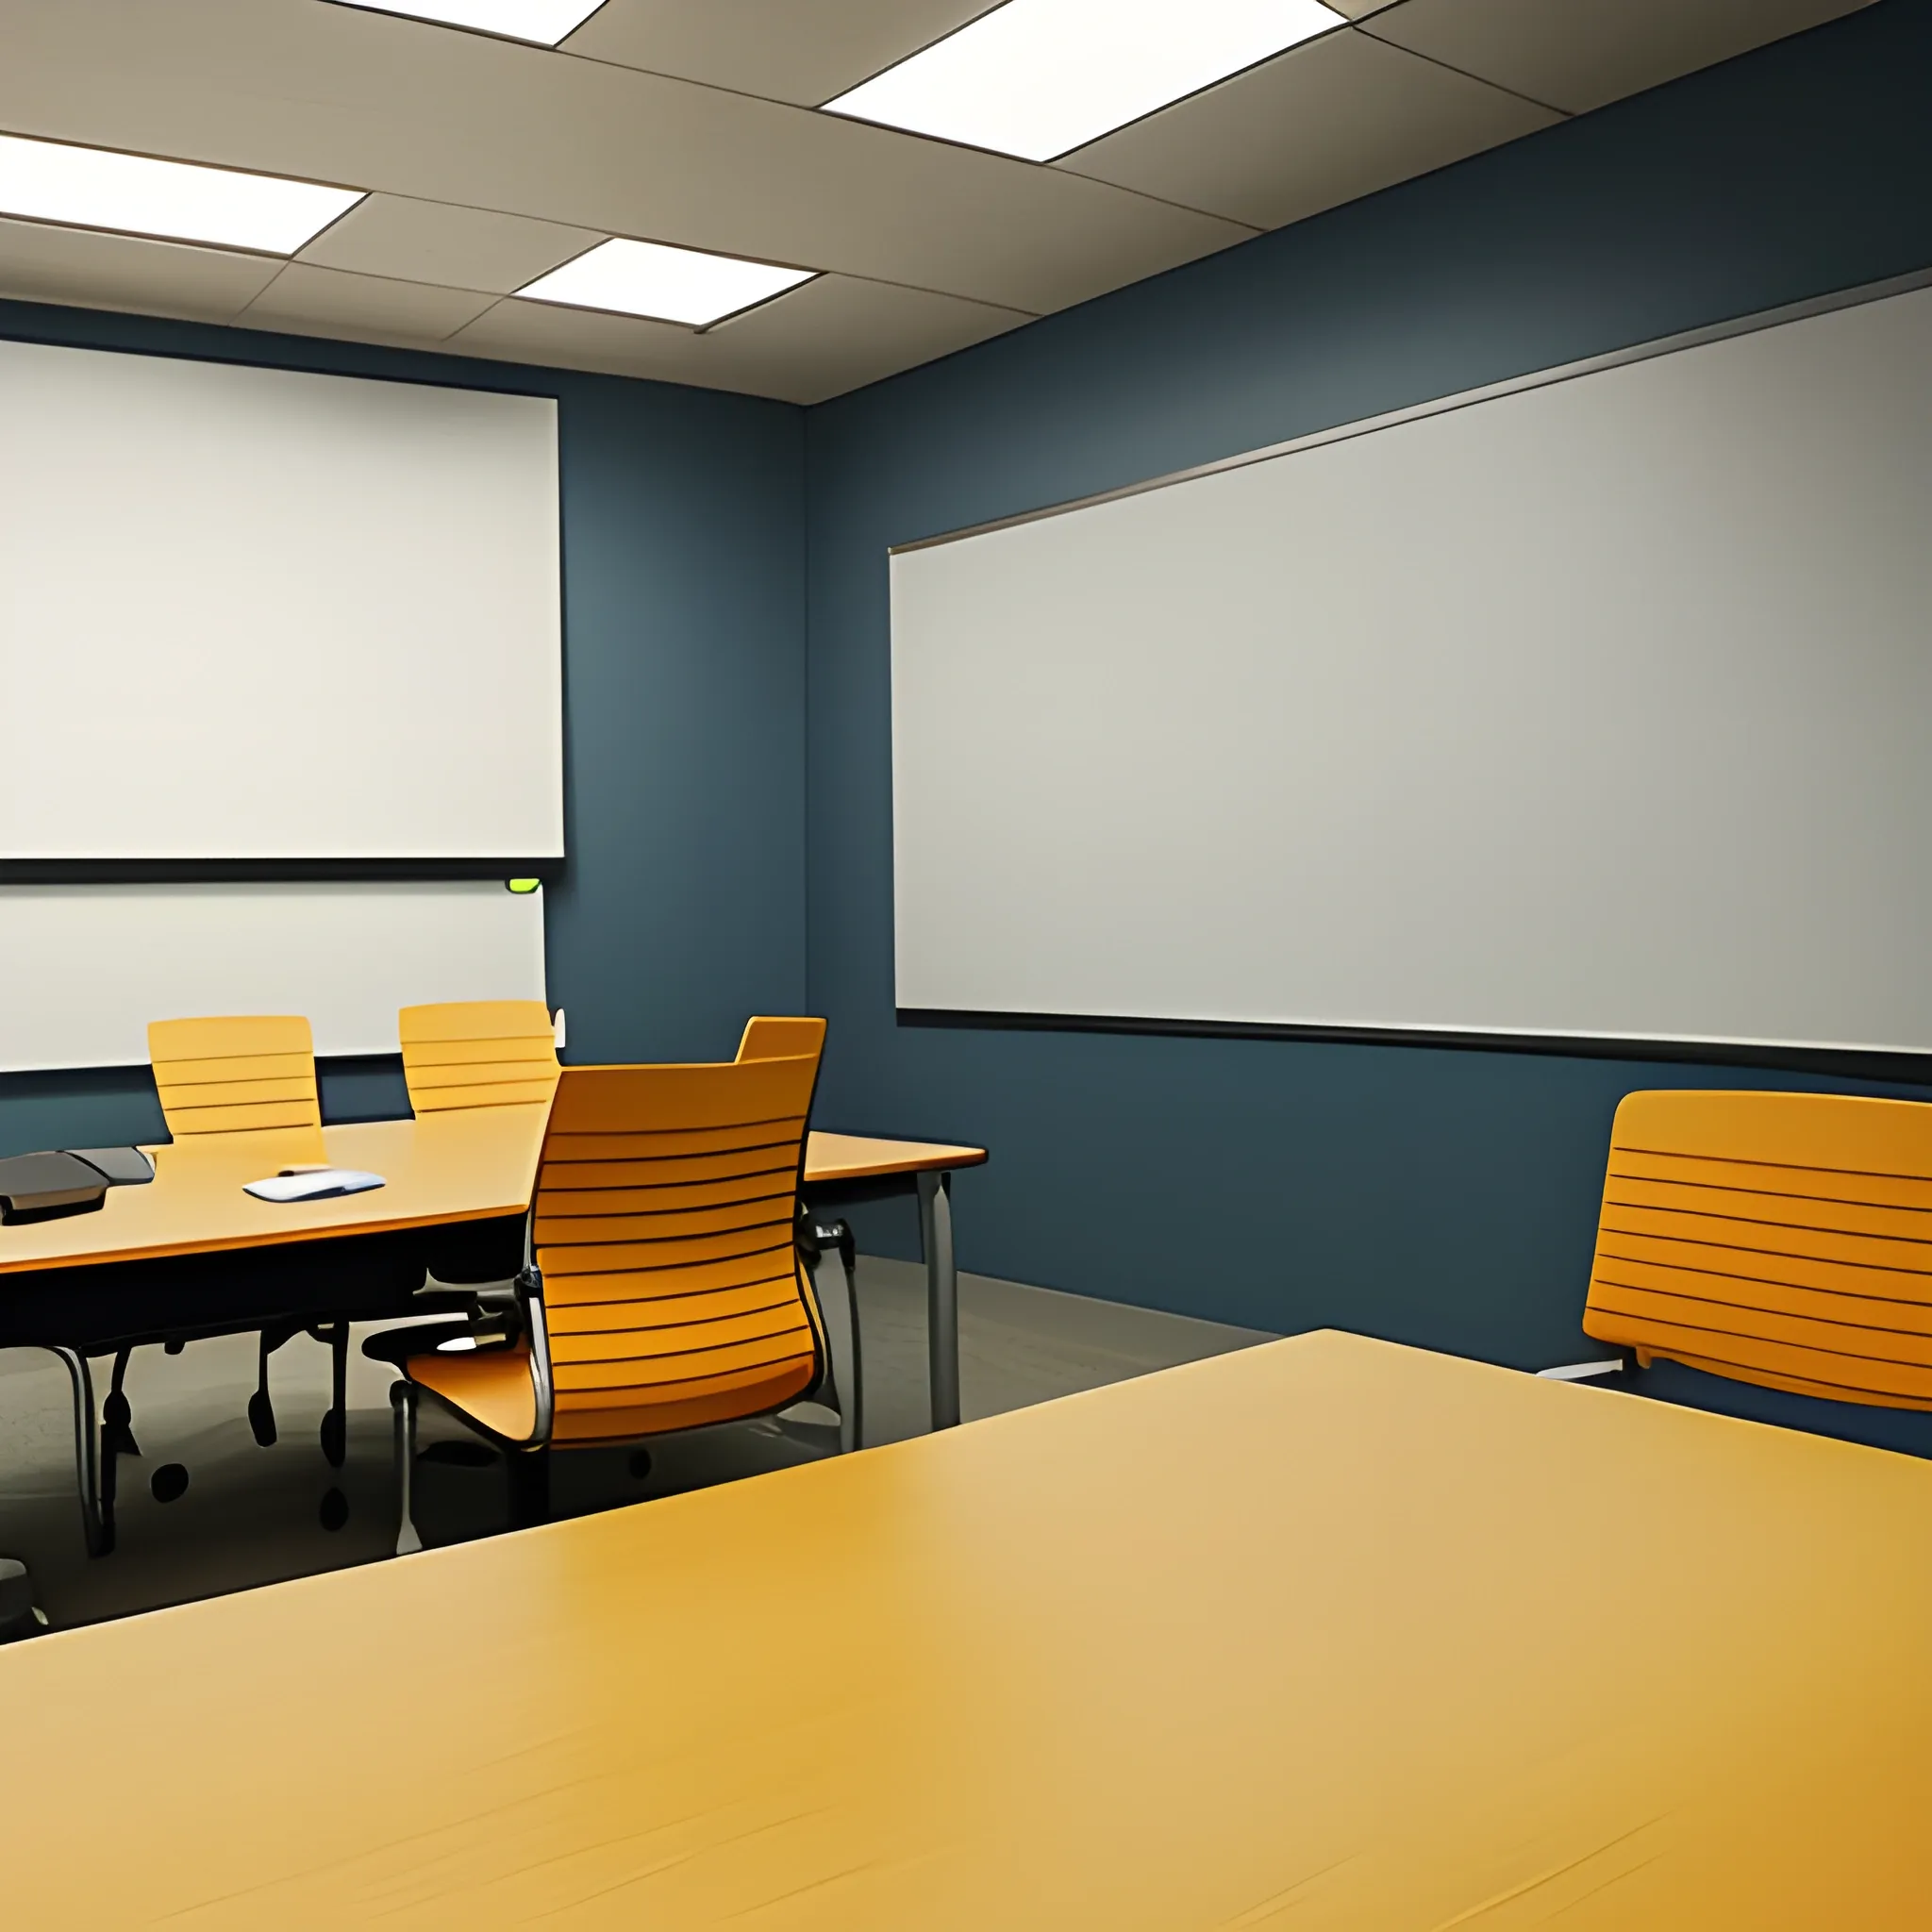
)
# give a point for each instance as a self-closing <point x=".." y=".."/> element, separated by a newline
<point x="477" y="1053"/>
<point x="1784" y="1238"/>
<point x="246" y="1073"/>
<point x="663" y="1224"/>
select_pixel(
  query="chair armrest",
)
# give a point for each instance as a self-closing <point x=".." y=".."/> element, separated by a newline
<point x="1585" y="1372"/>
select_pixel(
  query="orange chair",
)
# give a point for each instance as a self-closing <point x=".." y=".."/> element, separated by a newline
<point x="467" y="1053"/>
<point x="1782" y="1238"/>
<point x="664" y="1290"/>
<point x="254" y="1075"/>
<point x="477" y="1053"/>
<point x="766" y="1039"/>
<point x="821" y="1238"/>
<point x="248" y="1075"/>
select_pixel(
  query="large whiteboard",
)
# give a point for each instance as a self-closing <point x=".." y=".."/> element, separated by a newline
<point x="1598" y="708"/>
<point x="86" y="967"/>
<point x="255" y="613"/>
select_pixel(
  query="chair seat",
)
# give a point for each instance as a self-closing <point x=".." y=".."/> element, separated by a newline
<point x="494" y="1389"/>
<point x="490" y="1386"/>
<point x="658" y="1411"/>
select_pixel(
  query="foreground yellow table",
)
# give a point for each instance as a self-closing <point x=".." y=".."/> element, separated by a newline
<point x="1327" y="1633"/>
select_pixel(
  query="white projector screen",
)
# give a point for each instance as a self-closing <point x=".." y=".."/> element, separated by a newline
<point x="256" y="614"/>
<point x="86" y="967"/>
<point x="1597" y="706"/>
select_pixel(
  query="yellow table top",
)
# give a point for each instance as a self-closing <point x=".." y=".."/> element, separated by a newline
<point x="1325" y="1634"/>
<point x="461" y="1165"/>
<point x="830" y="1158"/>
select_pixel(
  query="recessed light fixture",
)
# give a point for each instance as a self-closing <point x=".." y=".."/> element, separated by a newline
<point x="1038" y="78"/>
<point x="665" y="283"/>
<point x="545" y="22"/>
<point x="96" y="188"/>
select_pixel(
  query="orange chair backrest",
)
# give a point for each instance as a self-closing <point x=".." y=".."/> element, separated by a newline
<point x="248" y="1073"/>
<point x="477" y="1053"/>
<point x="1784" y="1238"/>
<point x="766" y="1039"/>
<point x="663" y="1226"/>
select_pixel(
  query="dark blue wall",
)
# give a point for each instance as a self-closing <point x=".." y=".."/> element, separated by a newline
<point x="1446" y="1198"/>
<point x="682" y="904"/>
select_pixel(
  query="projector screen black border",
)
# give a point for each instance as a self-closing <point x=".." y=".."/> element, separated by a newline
<point x="189" y="872"/>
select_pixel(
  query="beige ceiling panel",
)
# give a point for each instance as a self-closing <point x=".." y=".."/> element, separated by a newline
<point x="331" y="302"/>
<point x="88" y="270"/>
<point x="1578" y="54"/>
<point x="838" y="333"/>
<point x="1338" y="118"/>
<point x="458" y="247"/>
<point x="803" y="51"/>
<point x="830" y="336"/>
<point x="336" y="93"/>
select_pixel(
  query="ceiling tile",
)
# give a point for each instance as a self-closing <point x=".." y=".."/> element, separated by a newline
<point x="1341" y="117"/>
<point x="376" y="101"/>
<point x="39" y="263"/>
<point x="457" y="247"/>
<point x="1583" y="52"/>
<point x="803" y="51"/>
<point x="328" y="301"/>
<point x="832" y="335"/>
<point x="838" y="333"/>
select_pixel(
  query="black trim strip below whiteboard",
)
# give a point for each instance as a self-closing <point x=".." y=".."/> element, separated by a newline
<point x="1845" y="1063"/>
<point x="168" y="871"/>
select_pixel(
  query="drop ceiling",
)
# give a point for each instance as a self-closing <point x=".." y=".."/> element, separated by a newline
<point x="694" y="122"/>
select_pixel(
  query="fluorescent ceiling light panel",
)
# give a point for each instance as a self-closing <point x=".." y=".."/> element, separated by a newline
<point x="94" y="188"/>
<point x="545" y="22"/>
<point x="665" y="283"/>
<point x="1038" y="78"/>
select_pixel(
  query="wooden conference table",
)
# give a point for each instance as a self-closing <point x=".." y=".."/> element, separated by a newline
<point x="1325" y="1634"/>
<point x="153" y="1248"/>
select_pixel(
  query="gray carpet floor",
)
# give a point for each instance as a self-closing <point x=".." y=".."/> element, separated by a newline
<point x="252" y="1516"/>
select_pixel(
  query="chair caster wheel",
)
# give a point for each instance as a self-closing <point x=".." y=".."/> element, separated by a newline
<point x="334" y="1511"/>
<point x="261" y="1418"/>
<point x="335" y="1437"/>
<point x="639" y="1465"/>
<point x="20" y="1616"/>
<point x="169" y="1483"/>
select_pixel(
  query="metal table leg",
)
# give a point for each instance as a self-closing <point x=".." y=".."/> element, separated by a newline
<point x="98" y="1525"/>
<point x="941" y="1297"/>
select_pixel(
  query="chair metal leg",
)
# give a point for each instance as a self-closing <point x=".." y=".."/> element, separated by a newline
<point x="262" y="1410"/>
<point x="117" y="1440"/>
<point x="117" y="1418"/>
<point x="99" y="1533"/>
<point x="335" y="1424"/>
<point x="402" y="1395"/>
<point x="834" y="1268"/>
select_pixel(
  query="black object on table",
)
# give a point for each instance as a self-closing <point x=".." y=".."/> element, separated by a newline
<point x="72" y="1180"/>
